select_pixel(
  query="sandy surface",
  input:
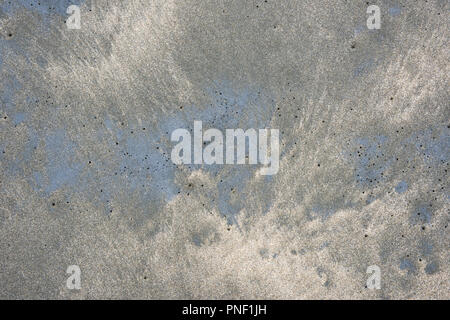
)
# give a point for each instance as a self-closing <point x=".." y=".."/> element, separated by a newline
<point x="86" y="177"/>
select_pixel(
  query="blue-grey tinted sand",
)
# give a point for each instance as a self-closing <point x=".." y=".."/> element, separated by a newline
<point x="86" y="176"/>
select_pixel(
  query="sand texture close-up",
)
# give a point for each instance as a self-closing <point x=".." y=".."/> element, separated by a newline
<point x="87" y="179"/>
